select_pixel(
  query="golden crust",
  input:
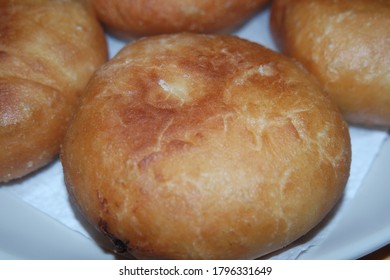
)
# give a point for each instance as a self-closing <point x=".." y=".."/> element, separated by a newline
<point x="204" y="147"/>
<point x="48" y="51"/>
<point x="151" y="17"/>
<point x="345" y="44"/>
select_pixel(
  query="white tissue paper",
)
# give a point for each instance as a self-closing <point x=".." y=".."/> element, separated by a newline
<point x="46" y="191"/>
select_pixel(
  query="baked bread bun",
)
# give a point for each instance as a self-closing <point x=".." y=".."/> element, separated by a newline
<point x="204" y="147"/>
<point x="48" y="51"/>
<point x="346" y="45"/>
<point x="151" y="17"/>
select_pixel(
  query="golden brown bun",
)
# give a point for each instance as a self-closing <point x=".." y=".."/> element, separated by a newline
<point x="204" y="147"/>
<point x="48" y="51"/>
<point x="346" y="45"/>
<point x="151" y="17"/>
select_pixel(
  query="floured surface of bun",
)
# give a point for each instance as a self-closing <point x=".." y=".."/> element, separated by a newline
<point x="48" y="51"/>
<point x="152" y="17"/>
<point x="204" y="147"/>
<point x="346" y="45"/>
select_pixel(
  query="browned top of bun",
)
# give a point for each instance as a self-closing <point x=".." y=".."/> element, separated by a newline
<point x="150" y="17"/>
<point x="48" y="51"/>
<point x="194" y="146"/>
<point x="345" y="44"/>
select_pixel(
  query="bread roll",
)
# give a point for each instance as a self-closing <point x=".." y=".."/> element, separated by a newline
<point x="346" y="45"/>
<point x="48" y="51"/>
<point x="150" y="17"/>
<point x="204" y="147"/>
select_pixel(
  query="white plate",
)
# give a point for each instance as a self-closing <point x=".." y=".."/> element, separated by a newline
<point x="38" y="222"/>
<point x="27" y="233"/>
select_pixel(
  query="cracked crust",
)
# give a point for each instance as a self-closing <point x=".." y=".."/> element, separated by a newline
<point x="346" y="45"/>
<point x="247" y="159"/>
<point x="152" y="17"/>
<point x="46" y="60"/>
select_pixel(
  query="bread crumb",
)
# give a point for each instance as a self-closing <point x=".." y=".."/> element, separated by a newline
<point x="176" y="89"/>
<point x="267" y="70"/>
<point x="164" y="85"/>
